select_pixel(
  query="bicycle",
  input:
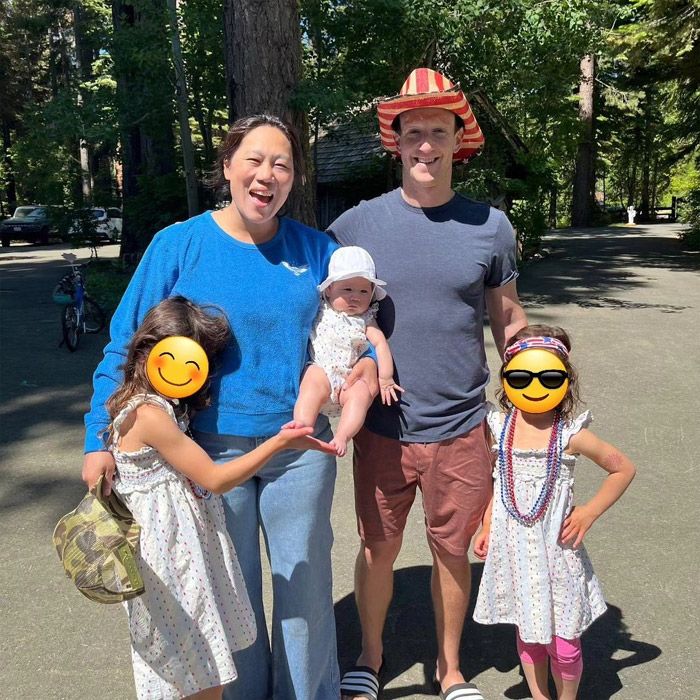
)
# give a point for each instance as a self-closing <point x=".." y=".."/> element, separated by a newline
<point x="81" y="313"/>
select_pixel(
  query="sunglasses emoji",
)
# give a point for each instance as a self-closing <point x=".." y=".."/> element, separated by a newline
<point x="535" y="380"/>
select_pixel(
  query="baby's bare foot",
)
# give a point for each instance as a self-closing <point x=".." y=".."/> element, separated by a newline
<point x="340" y="444"/>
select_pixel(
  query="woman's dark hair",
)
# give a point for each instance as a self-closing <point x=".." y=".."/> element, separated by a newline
<point x="207" y="325"/>
<point x="236" y="133"/>
<point x="571" y="399"/>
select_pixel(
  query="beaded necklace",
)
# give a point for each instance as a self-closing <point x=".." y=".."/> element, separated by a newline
<point x="505" y="469"/>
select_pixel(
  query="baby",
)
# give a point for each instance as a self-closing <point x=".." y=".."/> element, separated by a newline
<point x="341" y="334"/>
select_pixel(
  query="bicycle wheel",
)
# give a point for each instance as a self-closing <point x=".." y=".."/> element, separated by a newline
<point x="93" y="316"/>
<point x="69" y="323"/>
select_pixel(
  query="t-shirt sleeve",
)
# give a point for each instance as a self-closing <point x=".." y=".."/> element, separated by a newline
<point x="503" y="267"/>
<point x="152" y="282"/>
<point x="344" y="228"/>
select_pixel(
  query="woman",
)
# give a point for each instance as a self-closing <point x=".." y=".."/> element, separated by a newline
<point x="263" y="270"/>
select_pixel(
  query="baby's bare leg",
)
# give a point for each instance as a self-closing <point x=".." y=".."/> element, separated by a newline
<point x="355" y="401"/>
<point x="314" y="391"/>
<point x="208" y="694"/>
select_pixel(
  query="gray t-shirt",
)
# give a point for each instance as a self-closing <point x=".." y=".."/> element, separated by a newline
<point x="437" y="263"/>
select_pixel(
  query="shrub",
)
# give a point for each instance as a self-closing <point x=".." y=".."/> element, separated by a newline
<point x="530" y="223"/>
<point x="691" y="215"/>
<point x="107" y="280"/>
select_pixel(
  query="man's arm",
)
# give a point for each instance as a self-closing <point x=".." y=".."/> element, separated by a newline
<point x="506" y="315"/>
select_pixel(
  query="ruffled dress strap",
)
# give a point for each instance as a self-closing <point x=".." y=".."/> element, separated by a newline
<point x="574" y="426"/>
<point x="133" y="403"/>
<point x="495" y="419"/>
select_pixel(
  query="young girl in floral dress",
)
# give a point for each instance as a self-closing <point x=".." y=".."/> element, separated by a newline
<point x="537" y="574"/>
<point x="195" y="610"/>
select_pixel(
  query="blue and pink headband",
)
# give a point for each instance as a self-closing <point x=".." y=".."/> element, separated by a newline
<point x="538" y="341"/>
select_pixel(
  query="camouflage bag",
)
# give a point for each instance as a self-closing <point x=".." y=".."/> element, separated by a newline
<point x="96" y="544"/>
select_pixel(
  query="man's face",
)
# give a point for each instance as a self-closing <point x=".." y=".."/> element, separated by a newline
<point x="427" y="142"/>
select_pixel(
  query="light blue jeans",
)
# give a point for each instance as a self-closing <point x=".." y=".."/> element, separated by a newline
<point x="290" y="500"/>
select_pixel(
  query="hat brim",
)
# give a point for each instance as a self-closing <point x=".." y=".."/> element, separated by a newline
<point x="379" y="293"/>
<point x="451" y="100"/>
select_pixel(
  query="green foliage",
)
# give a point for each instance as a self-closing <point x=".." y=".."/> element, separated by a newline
<point x="690" y="211"/>
<point x="524" y="54"/>
<point x="107" y="281"/>
<point x="529" y="222"/>
<point x="55" y="101"/>
<point x="61" y="63"/>
<point x="159" y="202"/>
<point x="653" y="98"/>
<point x="202" y="33"/>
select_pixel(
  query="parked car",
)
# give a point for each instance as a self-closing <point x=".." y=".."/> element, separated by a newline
<point x="107" y="221"/>
<point x="31" y="223"/>
<point x="115" y="220"/>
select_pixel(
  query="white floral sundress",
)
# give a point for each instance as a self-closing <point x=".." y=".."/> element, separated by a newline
<point x="530" y="578"/>
<point x="195" y="610"/>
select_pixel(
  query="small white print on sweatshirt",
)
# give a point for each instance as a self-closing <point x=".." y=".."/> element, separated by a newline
<point x="296" y="270"/>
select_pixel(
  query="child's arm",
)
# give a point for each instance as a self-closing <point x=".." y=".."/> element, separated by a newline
<point x="385" y="364"/>
<point x="155" y="428"/>
<point x="620" y="470"/>
<point x="481" y="541"/>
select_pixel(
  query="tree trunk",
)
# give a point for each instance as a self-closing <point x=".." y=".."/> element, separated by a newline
<point x="263" y="68"/>
<point x="83" y="64"/>
<point x="584" y="179"/>
<point x="10" y="187"/>
<point x="152" y="191"/>
<point x="183" y="113"/>
<point x="204" y="123"/>
<point x="553" y="207"/>
<point x="647" y="148"/>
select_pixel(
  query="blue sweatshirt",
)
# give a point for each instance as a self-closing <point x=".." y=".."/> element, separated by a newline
<point x="267" y="291"/>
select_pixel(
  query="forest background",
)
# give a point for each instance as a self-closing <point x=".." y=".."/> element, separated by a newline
<point x="591" y="106"/>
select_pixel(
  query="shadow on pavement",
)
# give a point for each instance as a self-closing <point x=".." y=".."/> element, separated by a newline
<point x="409" y="639"/>
<point x="45" y="389"/>
<point x="587" y="267"/>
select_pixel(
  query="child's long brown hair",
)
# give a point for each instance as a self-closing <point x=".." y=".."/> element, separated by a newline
<point x="571" y="399"/>
<point x="207" y="325"/>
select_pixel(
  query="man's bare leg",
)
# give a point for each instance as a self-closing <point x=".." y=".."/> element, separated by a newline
<point x="450" y="586"/>
<point x="314" y="391"/>
<point x="374" y="588"/>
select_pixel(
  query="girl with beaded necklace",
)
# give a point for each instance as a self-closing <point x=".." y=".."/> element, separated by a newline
<point x="537" y="574"/>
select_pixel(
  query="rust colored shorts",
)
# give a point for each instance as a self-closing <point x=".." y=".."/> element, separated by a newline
<point x="454" y="477"/>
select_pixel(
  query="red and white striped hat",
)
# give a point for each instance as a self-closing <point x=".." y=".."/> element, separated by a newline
<point x="427" y="88"/>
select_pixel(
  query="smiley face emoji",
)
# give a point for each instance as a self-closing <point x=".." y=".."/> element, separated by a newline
<point x="535" y="380"/>
<point x="177" y="367"/>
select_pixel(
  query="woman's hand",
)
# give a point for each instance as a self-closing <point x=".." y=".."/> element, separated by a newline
<point x="577" y="525"/>
<point x="296" y="436"/>
<point x="95" y="464"/>
<point x="387" y="390"/>
<point x="481" y="543"/>
<point x="365" y="369"/>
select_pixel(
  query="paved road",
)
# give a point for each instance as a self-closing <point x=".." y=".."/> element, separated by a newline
<point x="631" y="299"/>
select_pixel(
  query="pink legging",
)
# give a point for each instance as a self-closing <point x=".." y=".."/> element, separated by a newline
<point x="565" y="655"/>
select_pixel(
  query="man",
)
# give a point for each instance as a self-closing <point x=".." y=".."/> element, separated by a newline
<point x="444" y="259"/>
